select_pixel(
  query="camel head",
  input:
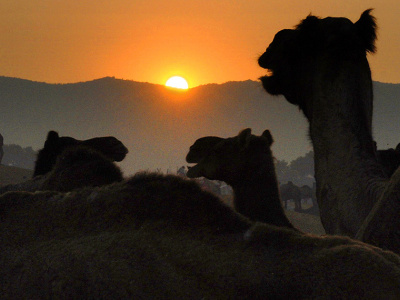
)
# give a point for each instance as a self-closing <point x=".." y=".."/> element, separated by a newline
<point x="54" y="145"/>
<point x="229" y="159"/>
<point x="316" y="47"/>
<point x="201" y="147"/>
<point x="109" y="146"/>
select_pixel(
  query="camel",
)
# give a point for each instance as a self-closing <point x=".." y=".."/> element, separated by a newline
<point x="321" y="66"/>
<point x="109" y="146"/>
<point x="245" y="162"/>
<point x="80" y="166"/>
<point x="76" y="167"/>
<point x="289" y="191"/>
<point x="309" y="193"/>
<point x="155" y="236"/>
<point x="66" y="163"/>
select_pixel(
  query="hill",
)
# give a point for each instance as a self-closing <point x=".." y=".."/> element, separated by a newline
<point x="158" y="124"/>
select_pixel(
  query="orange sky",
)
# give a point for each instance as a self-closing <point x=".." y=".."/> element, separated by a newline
<point x="206" y="41"/>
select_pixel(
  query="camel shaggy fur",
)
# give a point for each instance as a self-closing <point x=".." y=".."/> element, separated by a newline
<point x="322" y="67"/>
<point x="161" y="237"/>
<point x="80" y="166"/>
<point x="54" y="145"/>
<point x="245" y="162"/>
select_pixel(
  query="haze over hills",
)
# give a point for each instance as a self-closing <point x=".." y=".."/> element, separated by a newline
<point x="158" y="124"/>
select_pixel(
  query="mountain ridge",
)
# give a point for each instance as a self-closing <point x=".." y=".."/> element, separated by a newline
<point x="159" y="124"/>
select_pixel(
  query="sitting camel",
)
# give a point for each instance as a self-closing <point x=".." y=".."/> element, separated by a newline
<point x="73" y="164"/>
<point x="290" y="191"/>
<point x="54" y="145"/>
<point x="322" y="67"/>
<point x="78" y="167"/>
<point x="245" y="162"/>
<point x="156" y="236"/>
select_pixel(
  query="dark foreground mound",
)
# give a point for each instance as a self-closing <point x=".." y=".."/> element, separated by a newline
<point x="158" y="237"/>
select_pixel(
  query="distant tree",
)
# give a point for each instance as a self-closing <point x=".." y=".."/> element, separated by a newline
<point x="15" y="155"/>
<point x="284" y="172"/>
<point x="300" y="171"/>
<point x="304" y="166"/>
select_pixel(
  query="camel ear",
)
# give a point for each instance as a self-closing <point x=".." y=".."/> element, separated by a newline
<point x="366" y="29"/>
<point x="243" y="137"/>
<point x="398" y="147"/>
<point x="52" y="139"/>
<point x="52" y="136"/>
<point x="268" y="136"/>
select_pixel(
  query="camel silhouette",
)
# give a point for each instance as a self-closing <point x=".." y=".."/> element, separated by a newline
<point x="322" y="67"/>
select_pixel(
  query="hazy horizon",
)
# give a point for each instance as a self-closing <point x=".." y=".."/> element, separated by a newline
<point x="158" y="124"/>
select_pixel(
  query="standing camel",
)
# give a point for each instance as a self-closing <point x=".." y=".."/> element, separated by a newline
<point x="322" y="67"/>
<point x="290" y="191"/>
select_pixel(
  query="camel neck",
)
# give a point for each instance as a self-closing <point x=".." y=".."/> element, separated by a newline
<point x="257" y="197"/>
<point x="348" y="175"/>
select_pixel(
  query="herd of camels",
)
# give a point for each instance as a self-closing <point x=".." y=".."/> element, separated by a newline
<point x="79" y="229"/>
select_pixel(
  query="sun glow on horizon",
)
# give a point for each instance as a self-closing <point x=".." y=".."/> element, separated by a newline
<point x="177" y="82"/>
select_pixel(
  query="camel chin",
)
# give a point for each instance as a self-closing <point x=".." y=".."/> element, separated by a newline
<point x="194" y="172"/>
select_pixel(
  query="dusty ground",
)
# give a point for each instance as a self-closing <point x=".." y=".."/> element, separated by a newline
<point x="304" y="222"/>
<point x="13" y="175"/>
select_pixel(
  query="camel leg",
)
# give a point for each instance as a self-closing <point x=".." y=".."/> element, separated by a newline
<point x="297" y="204"/>
<point x="380" y="228"/>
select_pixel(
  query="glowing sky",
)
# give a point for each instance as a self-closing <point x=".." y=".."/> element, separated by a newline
<point x="208" y="41"/>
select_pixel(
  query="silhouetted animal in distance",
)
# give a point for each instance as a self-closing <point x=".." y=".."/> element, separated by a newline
<point x="290" y="191"/>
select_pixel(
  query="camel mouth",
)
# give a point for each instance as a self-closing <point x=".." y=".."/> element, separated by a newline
<point x="193" y="158"/>
<point x="270" y="83"/>
<point x="193" y="171"/>
<point x="269" y="73"/>
<point x="119" y="154"/>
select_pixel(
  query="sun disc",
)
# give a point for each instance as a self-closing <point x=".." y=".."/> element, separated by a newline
<point x="177" y="82"/>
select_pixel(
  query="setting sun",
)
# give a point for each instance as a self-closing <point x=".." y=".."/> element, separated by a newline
<point x="177" y="82"/>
